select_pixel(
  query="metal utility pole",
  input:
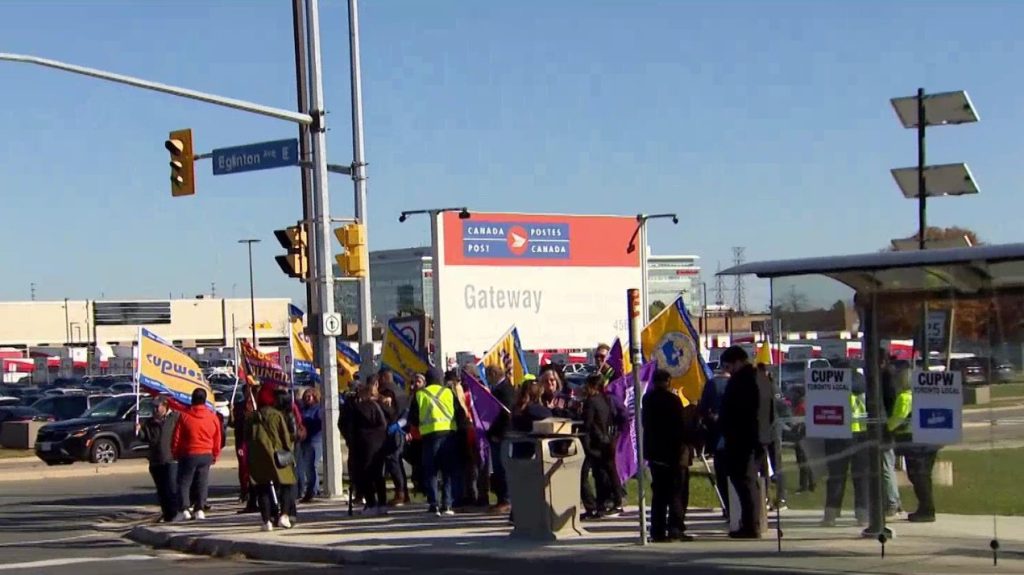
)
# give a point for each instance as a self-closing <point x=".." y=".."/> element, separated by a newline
<point x="305" y="167"/>
<point x="324" y="277"/>
<point x="359" y="180"/>
<point x="328" y="359"/>
<point x="252" y="289"/>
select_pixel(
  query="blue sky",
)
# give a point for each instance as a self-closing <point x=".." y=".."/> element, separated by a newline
<point x="763" y="124"/>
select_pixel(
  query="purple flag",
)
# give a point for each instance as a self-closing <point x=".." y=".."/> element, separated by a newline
<point x="615" y="355"/>
<point x="625" y="449"/>
<point x="486" y="409"/>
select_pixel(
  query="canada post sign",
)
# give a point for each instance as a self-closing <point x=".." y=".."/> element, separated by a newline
<point x="527" y="240"/>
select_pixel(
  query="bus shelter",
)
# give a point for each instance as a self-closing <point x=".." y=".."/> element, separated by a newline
<point x="951" y="319"/>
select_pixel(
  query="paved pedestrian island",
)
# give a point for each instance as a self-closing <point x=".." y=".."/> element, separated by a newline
<point x="410" y="537"/>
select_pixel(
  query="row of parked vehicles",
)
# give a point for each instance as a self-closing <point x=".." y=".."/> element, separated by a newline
<point x="91" y="419"/>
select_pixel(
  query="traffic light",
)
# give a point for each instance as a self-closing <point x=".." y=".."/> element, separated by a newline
<point x="183" y="174"/>
<point x="294" y="264"/>
<point x="354" y="262"/>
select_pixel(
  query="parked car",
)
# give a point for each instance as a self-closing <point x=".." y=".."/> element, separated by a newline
<point x="9" y="401"/>
<point x="21" y="413"/>
<point x="103" y="434"/>
<point x="57" y="391"/>
<point x="68" y="406"/>
<point x="121" y="387"/>
<point x="972" y="369"/>
<point x="1005" y="372"/>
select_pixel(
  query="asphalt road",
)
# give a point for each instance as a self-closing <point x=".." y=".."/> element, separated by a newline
<point x="1007" y="427"/>
<point x="48" y="527"/>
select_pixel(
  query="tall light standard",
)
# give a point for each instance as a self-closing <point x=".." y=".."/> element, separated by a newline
<point x="252" y="289"/>
<point x="435" y="246"/>
<point x="921" y="181"/>
<point x="640" y="233"/>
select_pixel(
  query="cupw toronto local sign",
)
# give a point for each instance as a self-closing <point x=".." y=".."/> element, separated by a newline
<point x="560" y="279"/>
<point x="937" y="406"/>
<point x="827" y="402"/>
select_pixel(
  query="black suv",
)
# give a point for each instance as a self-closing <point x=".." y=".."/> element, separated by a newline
<point x="69" y="406"/>
<point x="102" y="434"/>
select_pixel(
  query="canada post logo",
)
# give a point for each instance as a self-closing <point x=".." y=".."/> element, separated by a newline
<point x="828" y="415"/>
<point x="513" y="240"/>
<point x="936" y="418"/>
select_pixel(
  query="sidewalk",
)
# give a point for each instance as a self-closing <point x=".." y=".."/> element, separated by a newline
<point x="26" y="468"/>
<point x="412" y="538"/>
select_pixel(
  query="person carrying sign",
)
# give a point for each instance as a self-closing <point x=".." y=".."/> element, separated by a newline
<point x="843" y="455"/>
<point x="920" y="458"/>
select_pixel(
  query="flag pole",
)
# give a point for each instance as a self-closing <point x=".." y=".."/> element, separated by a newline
<point x="138" y="367"/>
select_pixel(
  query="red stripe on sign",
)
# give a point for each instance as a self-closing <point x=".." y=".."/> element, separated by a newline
<point x="539" y="240"/>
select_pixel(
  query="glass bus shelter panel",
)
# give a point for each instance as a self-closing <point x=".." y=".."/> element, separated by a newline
<point x="817" y="330"/>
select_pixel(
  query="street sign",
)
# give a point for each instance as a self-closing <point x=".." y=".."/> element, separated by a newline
<point x="252" y="157"/>
<point x="332" y="324"/>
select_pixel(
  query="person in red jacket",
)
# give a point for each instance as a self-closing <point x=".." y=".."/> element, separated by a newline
<point x="196" y="446"/>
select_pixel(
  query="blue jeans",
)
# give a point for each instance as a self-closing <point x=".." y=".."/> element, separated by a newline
<point x="892" y="491"/>
<point x="310" y="456"/>
<point x="437" y="456"/>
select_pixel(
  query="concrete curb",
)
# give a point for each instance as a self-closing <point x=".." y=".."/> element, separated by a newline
<point x="217" y="546"/>
<point x="39" y="470"/>
<point x="554" y="560"/>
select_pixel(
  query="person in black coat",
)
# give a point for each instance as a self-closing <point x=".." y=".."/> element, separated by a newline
<point x="599" y="450"/>
<point x="158" y="431"/>
<point x="745" y="424"/>
<point x="397" y="403"/>
<point x="667" y="449"/>
<point x="367" y="432"/>
<point x="505" y="392"/>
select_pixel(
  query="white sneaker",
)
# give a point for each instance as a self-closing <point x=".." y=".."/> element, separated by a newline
<point x="448" y="512"/>
<point x="268" y="526"/>
<point x="182" y="516"/>
<point x="200" y="515"/>
<point x="285" y="522"/>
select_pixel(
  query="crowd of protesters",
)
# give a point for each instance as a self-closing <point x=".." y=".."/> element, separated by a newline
<point x="427" y="427"/>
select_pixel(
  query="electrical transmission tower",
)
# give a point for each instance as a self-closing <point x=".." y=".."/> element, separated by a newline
<point x="719" y="287"/>
<point x="740" y="297"/>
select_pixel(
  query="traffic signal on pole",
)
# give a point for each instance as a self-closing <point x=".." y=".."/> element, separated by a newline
<point x="183" y="173"/>
<point x="354" y="262"/>
<point x="294" y="263"/>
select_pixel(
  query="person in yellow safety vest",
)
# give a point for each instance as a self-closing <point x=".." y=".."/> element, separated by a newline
<point x="845" y="456"/>
<point x="436" y="414"/>
<point x="920" y="458"/>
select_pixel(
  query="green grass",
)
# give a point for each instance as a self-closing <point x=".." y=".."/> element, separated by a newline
<point x="9" y="453"/>
<point x="984" y="483"/>
<point x="1007" y="391"/>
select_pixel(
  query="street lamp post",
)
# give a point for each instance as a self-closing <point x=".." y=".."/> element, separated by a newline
<point x="435" y="247"/>
<point x="921" y="181"/>
<point x="252" y="288"/>
<point x="640" y="234"/>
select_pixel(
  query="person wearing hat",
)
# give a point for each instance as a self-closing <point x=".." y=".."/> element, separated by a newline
<point x="435" y="415"/>
<point x="158" y="432"/>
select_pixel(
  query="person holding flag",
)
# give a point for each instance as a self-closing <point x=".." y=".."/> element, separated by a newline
<point x="504" y="392"/>
<point x="196" y="445"/>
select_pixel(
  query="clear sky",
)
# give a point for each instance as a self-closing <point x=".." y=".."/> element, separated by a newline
<point x="763" y="124"/>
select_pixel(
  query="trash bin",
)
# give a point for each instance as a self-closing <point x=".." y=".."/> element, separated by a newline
<point x="543" y="474"/>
